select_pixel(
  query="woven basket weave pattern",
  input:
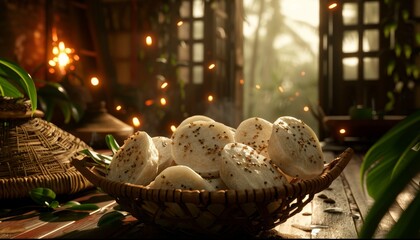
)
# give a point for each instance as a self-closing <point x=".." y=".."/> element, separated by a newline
<point x="36" y="153"/>
<point x="216" y="212"/>
<point x="20" y="142"/>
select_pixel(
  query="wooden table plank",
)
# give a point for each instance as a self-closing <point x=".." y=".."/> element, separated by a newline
<point x="41" y="222"/>
<point x="60" y="227"/>
<point x="288" y="229"/>
<point x="340" y="224"/>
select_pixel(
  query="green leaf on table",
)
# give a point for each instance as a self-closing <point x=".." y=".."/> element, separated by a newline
<point x="84" y="206"/>
<point x="71" y="203"/>
<point x="42" y="196"/>
<point x="54" y="204"/>
<point x="110" y="218"/>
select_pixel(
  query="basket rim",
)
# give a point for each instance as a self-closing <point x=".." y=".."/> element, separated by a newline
<point x="18" y="115"/>
<point x="75" y="181"/>
<point x="229" y="196"/>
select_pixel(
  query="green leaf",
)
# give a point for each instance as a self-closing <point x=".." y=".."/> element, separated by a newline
<point x="407" y="158"/>
<point x="101" y="159"/>
<point x="387" y="197"/>
<point x="398" y="50"/>
<point x="418" y="38"/>
<point x="53" y="95"/>
<point x="42" y="196"/>
<point x="407" y="225"/>
<point x="112" y="143"/>
<point x="111" y="218"/>
<point x="8" y="89"/>
<point x="392" y="143"/>
<point x="407" y="51"/>
<point x="71" y="203"/>
<point x="23" y="79"/>
<point x="379" y="177"/>
<point x="84" y="206"/>
<point x="54" y="204"/>
<point x="390" y="68"/>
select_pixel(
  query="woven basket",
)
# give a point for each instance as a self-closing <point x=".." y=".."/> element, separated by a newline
<point x="36" y="153"/>
<point x="216" y="212"/>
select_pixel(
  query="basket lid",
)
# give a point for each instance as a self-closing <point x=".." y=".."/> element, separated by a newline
<point x="32" y="146"/>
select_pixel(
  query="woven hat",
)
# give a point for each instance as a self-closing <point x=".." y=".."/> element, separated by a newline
<point x="36" y="153"/>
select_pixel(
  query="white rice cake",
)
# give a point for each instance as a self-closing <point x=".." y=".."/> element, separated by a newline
<point x="199" y="145"/>
<point x="180" y="177"/>
<point x="136" y="161"/>
<point x="295" y="148"/>
<point x="254" y="132"/>
<point x="243" y="168"/>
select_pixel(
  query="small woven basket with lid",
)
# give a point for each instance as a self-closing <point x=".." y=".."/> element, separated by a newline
<point x="215" y="213"/>
<point x="36" y="153"/>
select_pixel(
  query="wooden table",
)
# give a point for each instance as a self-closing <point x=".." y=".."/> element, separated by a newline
<point x="345" y="195"/>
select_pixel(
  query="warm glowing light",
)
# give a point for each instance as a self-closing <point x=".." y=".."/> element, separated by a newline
<point x="281" y="89"/>
<point x="94" y="81"/>
<point x="173" y="128"/>
<point x="342" y="131"/>
<point x="303" y="73"/>
<point x="257" y="86"/>
<point x="297" y="94"/>
<point x="179" y="23"/>
<point x="61" y="46"/>
<point x="211" y="66"/>
<point x="241" y="82"/>
<point x="118" y="108"/>
<point x="54" y="34"/>
<point x="55" y="50"/>
<point x="149" y="41"/>
<point x="136" y="122"/>
<point x="164" y="85"/>
<point x="52" y="63"/>
<point x="163" y="101"/>
<point x="305" y="108"/>
<point x="210" y="98"/>
<point x="63" y="59"/>
<point x="149" y="102"/>
<point x="332" y="5"/>
<point x="51" y="70"/>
